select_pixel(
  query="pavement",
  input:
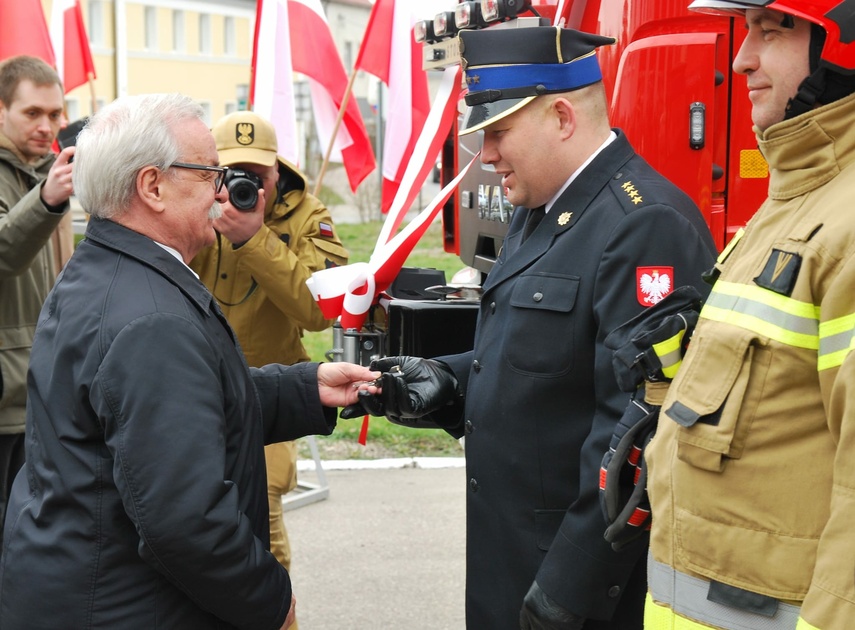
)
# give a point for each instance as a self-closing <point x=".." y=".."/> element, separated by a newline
<point x="384" y="550"/>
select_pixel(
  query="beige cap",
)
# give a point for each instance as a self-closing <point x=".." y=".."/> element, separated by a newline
<point x="245" y="138"/>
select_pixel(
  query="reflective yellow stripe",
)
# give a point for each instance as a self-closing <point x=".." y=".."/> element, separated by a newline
<point x="729" y="247"/>
<point x="764" y="312"/>
<point x="836" y="341"/>
<point x="657" y="617"/>
<point x="669" y="354"/>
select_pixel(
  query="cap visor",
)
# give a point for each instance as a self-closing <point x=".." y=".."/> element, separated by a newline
<point x="479" y="116"/>
<point x="230" y="157"/>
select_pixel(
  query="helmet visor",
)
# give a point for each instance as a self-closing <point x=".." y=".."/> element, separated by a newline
<point x="725" y="7"/>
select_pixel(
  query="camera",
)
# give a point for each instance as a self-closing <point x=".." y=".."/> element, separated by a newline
<point x="243" y="187"/>
<point x="67" y="137"/>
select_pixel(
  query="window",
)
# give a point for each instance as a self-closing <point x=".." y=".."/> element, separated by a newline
<point x="96" y="22"/>
<point x="231" y="107"/>
<point x="178" y="43"/>
<point x="150" y="17"/>
<point x="348" y="56"/>
<point x="205" y="34"/>
<point x="229" y="36"/>
<point x="72" y="109"/>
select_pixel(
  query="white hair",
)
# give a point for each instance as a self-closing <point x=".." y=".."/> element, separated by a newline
<point x="127" y="135"/>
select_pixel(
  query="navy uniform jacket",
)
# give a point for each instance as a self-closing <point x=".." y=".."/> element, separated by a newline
<point x="143" y="501"/>
<point x="541" y="396"/>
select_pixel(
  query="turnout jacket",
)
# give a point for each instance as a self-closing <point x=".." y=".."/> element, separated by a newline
<point x="261" y="285"/>
<point x="143" y="500"/>
<point x="541" y="398"/>
<point x="26" y="273"/>
<point x="751" y="472"/>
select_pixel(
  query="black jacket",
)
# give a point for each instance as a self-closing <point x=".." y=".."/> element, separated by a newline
<point x="143" y="502"/>
<point x="541" y="396"/>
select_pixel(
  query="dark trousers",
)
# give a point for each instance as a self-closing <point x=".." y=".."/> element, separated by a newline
<point x="11" y="461"/>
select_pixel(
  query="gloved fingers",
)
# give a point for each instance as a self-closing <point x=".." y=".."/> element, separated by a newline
<point x="352" y="411"/>
<point x="539" y="611"/>
<point x="386" y="363"/>
<point x="372" y="403"/>
<point x="368" y="403"/>
<point x="395" y="393"/>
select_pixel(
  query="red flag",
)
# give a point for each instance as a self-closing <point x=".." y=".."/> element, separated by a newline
<point x="23" y="30"/>
<point x="293" y="35"/>
<point x="390" y="53"/>
<point x="73" y="57"/>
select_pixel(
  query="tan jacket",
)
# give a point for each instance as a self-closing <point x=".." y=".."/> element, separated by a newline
<point x="755" y="487"/>
<point x="261" y="286"/>
<point x="27" y="273"/>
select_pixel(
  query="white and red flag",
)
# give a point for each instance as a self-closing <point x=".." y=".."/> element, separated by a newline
<point x="390" y="53"/>
<point x="24" y="31"/>
<point x="294" y="36"/>
<point x="70" y="44"/>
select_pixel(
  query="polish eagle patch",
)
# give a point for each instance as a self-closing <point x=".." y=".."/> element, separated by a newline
<point x="652" y="284"/>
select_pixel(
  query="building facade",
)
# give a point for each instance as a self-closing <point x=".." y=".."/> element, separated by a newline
<point x="202" y="49"/>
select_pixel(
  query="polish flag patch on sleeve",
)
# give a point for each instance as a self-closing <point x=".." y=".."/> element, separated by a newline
<point x="325" y="229"/>
<point x="652" y="284"/>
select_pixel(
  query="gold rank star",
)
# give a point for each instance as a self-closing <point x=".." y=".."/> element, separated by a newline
<point x="565" y="217"/>
<point x="633" y="193"/>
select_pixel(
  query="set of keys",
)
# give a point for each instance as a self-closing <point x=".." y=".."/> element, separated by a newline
<point x="378" y="382"/>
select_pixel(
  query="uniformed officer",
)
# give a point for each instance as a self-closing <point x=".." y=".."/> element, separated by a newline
<point x="597" y="235"/>
<point x="257" y="271"/>
<point x="751" y="475"/>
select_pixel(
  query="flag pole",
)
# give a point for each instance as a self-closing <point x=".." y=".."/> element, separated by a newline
<point x="341" y="111"/>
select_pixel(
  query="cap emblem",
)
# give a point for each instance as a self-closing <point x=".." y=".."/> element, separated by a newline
<point x="245" y="133"/>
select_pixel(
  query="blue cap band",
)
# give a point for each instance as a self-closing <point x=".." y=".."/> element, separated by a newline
<point x="555" y="77"/>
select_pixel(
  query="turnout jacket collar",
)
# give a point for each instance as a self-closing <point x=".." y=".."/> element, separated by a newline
<point x="141" y="248"/>
<point x="826" y="141"/>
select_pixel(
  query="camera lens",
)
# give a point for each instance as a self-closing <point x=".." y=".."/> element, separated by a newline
<point x="243" y="187"/>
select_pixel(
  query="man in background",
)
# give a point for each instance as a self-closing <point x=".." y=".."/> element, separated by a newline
<point x="35" y="186"/>
<point x="257" y="271"/>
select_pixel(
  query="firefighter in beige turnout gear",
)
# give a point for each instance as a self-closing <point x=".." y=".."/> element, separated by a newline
<point x="257" y="271"/>
<point x="751" y="473"/>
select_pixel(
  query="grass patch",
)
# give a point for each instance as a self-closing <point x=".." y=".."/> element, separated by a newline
<point x="329" y="197"/>
<point x="384" y="439"/>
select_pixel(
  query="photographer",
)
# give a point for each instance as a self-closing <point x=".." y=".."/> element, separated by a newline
<point x="258" y="267"/>
<point x="35" y="186"/>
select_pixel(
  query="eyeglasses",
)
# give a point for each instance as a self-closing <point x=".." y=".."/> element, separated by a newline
<point x="219" y="179"/>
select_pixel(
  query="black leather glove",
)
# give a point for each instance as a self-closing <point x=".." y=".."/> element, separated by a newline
<point x="540" y="612"/>
<point x="411" y="388"/>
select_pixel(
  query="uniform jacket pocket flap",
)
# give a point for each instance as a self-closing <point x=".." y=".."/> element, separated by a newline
<point x="765" y="568"/>
<point x="702" y="390"/>
<point x="715" y="427"/>
<point x="546" y="291"/>
<point x="335" y="252"/>
<point x="17" y="337"/>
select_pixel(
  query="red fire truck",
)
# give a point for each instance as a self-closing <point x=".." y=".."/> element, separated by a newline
<point x="672" y="92"/>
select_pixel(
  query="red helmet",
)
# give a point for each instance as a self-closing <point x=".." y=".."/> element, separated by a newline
<point x="833" y="16"/>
